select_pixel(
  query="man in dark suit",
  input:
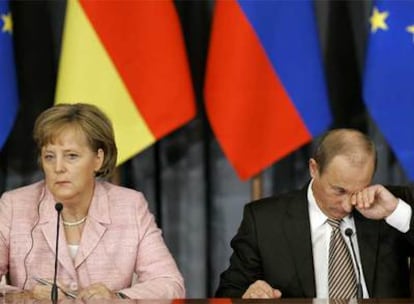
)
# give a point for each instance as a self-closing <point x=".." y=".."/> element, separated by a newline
<point x="282" y="246"/>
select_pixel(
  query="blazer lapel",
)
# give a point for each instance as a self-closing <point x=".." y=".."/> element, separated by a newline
<point x="95" y="227"/>
<point x="298" y="234"/>
<point x="48" y="223"/>
<point x="94" y="231"/>
<point x="367" y="232"/>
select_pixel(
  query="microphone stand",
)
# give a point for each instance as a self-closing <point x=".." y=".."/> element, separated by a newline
<point x="54" y="292"/>
<point x="349" y="232"/>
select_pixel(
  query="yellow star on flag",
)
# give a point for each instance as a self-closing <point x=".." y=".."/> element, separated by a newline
<point x="410" y="29"/>
<point x="7" y="23"/>
<point x="378" y="20"/>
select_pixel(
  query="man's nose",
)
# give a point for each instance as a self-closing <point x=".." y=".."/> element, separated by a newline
<point x="346" y="202"/>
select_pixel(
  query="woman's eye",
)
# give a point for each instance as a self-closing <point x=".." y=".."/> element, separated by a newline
<point x="48" y="157"/>
<point x="72" y="156"/>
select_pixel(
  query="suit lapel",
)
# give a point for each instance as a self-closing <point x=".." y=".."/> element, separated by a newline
<point x="367" y="232"/>
<point x="297" y="229"/>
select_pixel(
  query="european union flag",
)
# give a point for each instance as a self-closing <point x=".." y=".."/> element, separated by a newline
<point x="8" y="87"/>
<point x="388" y="79"/>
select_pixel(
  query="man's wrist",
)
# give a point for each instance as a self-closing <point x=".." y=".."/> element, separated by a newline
<point x="400" y="218"/>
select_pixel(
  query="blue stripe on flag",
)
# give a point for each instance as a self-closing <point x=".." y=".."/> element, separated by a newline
<point x="295" y="54"/>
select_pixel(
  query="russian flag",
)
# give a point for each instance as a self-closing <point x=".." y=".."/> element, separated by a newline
<point x="129" y="59"/>
<point x="265" y="89"/>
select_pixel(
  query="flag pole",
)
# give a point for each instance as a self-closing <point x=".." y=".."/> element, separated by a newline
<point x="116" y="177"/>
<point x="257" y="187"/>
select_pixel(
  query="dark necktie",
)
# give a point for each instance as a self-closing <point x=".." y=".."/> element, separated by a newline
<point x="341" y="275"/>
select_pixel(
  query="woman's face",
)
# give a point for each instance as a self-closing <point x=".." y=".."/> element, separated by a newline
<point x="69" y="166"/>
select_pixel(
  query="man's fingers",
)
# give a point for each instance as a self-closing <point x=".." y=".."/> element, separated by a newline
<point x="261" y="290"/>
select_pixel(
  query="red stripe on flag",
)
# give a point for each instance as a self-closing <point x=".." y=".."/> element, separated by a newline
<point x="250" y="112"/>
<point x="144" y="40"/>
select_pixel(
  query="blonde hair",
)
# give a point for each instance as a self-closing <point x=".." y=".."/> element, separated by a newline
<point x="86" y="118"/>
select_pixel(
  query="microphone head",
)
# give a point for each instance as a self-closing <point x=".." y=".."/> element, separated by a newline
<point x="58" y="207"/>
<point x="349" y="232"/>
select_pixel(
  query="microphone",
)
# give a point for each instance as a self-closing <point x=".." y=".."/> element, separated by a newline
<point x="54" y="292"/>
<point x="349" y="232"/>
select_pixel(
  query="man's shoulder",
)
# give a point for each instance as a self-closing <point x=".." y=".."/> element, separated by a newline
<point x="404" y="192"/>
<point x="279" y="200"/>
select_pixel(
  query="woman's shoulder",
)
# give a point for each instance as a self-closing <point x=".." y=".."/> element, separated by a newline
<point x="119" y="194"/>
<point x="30" y="191"/>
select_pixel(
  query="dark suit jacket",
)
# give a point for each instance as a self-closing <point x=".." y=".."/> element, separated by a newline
<point x="273" y="244"/>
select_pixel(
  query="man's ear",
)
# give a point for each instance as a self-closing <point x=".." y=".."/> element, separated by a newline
<point x="313" y="168"/>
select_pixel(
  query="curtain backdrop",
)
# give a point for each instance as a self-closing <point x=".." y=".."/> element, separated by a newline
<point x="194" y="193"/>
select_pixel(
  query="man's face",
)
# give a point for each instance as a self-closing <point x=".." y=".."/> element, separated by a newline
<point x="340" y="179"/>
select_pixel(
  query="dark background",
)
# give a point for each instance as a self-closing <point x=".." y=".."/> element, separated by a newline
<point x="191" y="188"/>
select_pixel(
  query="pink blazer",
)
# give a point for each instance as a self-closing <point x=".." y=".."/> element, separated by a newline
<point x="120" y="238"/>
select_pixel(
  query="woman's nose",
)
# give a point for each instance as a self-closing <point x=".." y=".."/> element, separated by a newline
<point x="59" y="165"/>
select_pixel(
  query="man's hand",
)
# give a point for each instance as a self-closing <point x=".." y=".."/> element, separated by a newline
<point x="374" y="202"/>
<point x="261" y="290"/>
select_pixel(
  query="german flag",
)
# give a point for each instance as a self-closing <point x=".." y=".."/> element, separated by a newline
<point x="128" y="58"/>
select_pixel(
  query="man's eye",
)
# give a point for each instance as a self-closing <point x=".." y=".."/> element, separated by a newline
<point x="48" y="157"/>
<point x="340" y="191"/>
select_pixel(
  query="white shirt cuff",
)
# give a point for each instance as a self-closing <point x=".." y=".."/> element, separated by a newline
<point x="401" y="217"/>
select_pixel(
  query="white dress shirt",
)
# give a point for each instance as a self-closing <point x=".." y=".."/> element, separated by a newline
<point x="321" y="232"/>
